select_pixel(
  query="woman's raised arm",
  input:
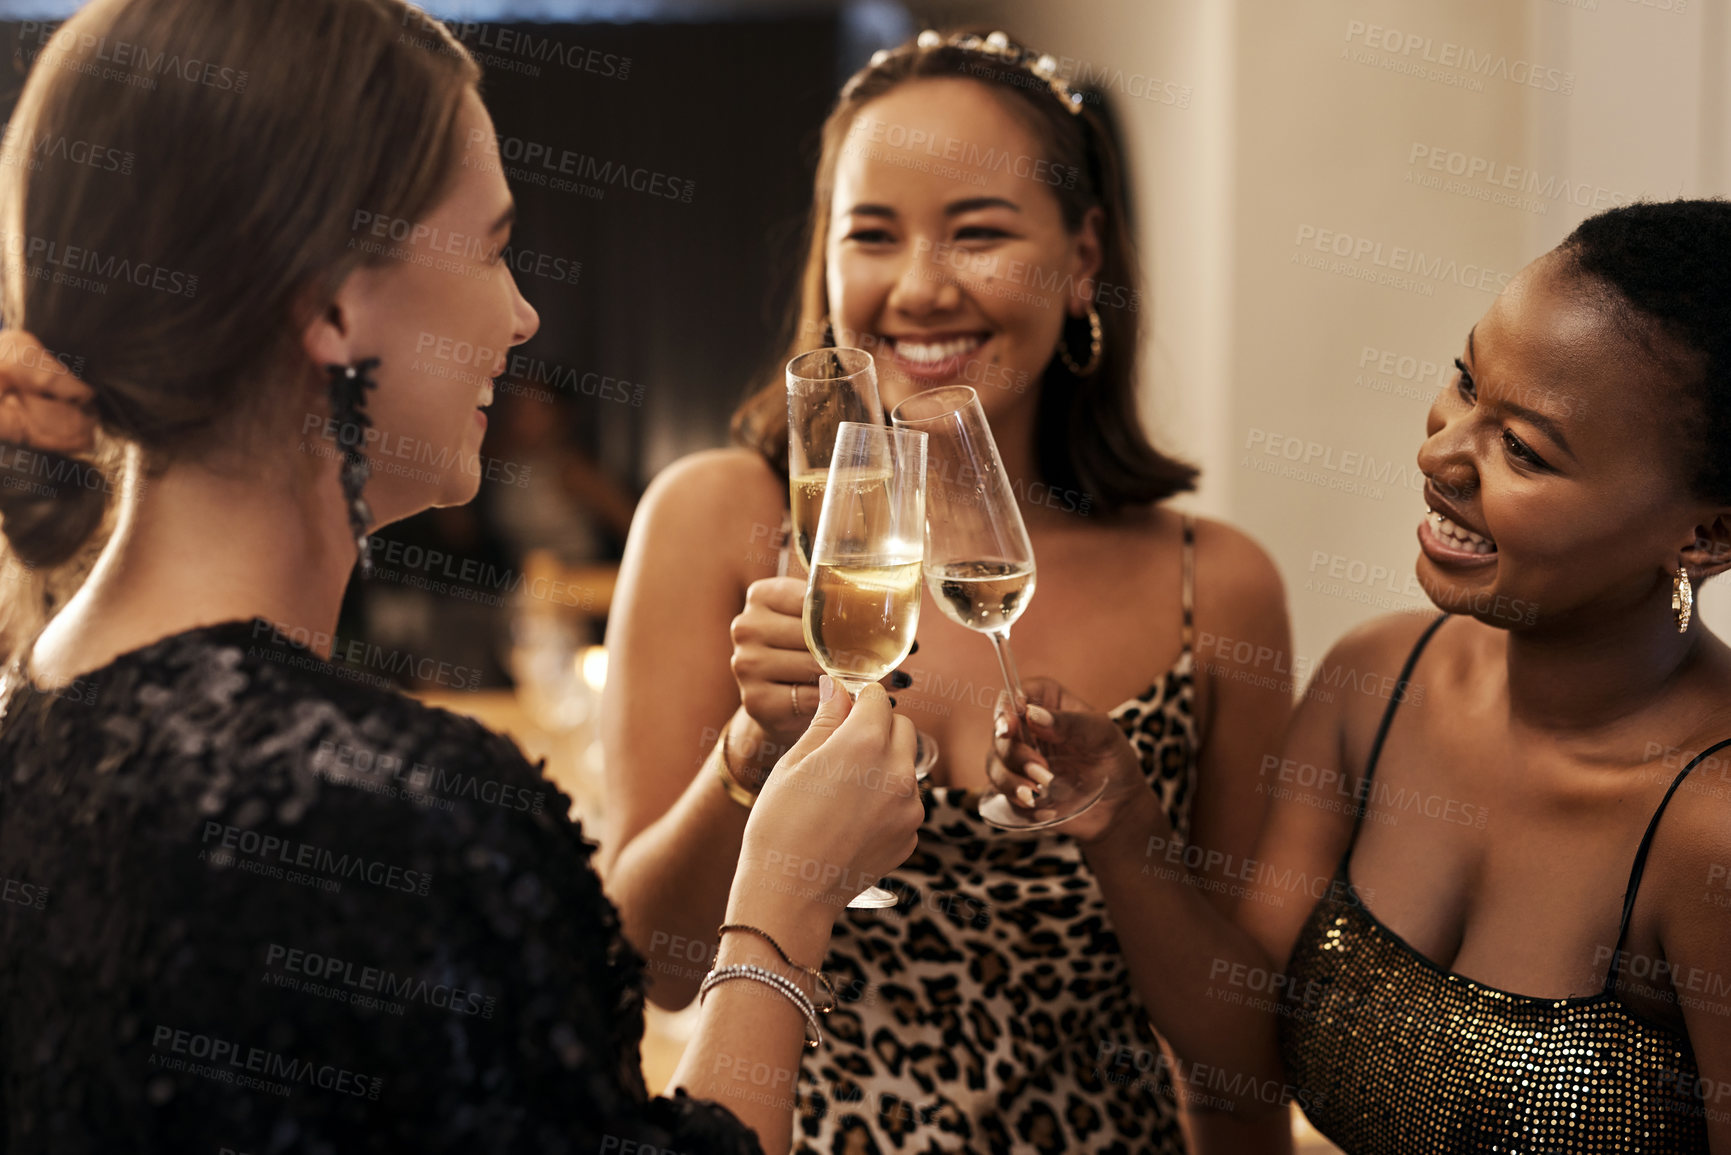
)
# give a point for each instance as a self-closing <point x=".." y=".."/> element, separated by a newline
<point x="1198" y="972"/>
<point x="705" y="531"/>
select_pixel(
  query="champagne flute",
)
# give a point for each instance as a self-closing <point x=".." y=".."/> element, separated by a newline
<point x="980" y="568"/>
<point x="862" y="601"/>
<point x="826" y="387"/>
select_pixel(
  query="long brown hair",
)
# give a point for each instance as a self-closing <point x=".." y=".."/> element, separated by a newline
<point x="1089" y="435"/>
<point x="238" y="141"/>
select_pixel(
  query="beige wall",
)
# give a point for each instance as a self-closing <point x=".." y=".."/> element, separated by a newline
<point x="1301" y="128"/>
<point x="1170" y="69"/>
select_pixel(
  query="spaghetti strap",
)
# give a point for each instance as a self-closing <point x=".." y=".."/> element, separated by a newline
<point x="1189" y="594"/>
<point x="1641" y="860"/>
<point x="1361" y="801"/>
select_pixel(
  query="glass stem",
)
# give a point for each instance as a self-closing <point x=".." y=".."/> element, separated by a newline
<point x="1013" y="682"/>
<point x="1007" y="663"/>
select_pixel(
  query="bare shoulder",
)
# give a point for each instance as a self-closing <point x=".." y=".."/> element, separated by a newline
<point x="1233" y="572"/>
<point x="715" y="493"/>
<point x="1689" y="863"/>
<point x="1229" y="562"/>
<point x="1379" y="645"/>
<point x="709" y="521"/>
<point x="1686" y="886"/>
<point x="1361" y="671"/>
<point x="713" y="481"/>
<point x="1696" y="827"/>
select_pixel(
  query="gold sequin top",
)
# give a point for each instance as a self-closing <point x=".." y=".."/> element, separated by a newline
<point x="1394" y="1054"/>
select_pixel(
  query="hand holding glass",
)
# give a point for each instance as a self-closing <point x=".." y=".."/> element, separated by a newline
<point x="862" y="601"/>
<point x="826" y="387"/>
<point x="980" y="568"/>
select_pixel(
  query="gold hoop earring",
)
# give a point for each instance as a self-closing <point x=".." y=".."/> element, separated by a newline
<point x="1095" y="347"/>
<point x="1682" y="599"/>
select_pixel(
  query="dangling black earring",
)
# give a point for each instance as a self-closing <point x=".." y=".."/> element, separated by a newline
<point x="349" y="385"/>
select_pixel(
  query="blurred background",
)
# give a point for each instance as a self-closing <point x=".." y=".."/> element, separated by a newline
<point x="1329" y="194"/>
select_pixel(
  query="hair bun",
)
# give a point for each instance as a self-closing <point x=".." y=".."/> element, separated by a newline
<point x="50" y="504"/>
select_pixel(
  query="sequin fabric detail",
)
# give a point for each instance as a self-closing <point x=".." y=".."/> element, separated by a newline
<point x="274" y="910"/>
<point x="1389" y="1053"/>
<point x="1393" y="1055"/>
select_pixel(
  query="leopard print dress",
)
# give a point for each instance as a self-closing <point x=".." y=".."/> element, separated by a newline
<point x="989" y="1010"/>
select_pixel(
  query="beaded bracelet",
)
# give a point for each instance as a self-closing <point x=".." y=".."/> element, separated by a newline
<point x="814" y="1037"/>
<point x="820" y="979"/>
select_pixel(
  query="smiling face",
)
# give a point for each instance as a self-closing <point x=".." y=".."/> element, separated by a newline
<point x="947" y="254"/>
<point x="1555" y="462"/>
<point x="441" y="318"/>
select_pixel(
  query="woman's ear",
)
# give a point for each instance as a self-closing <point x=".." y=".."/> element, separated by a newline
<point x="1090" y="255"/>
<point x="1710" y="552"/>
<point x="328" y="335"/>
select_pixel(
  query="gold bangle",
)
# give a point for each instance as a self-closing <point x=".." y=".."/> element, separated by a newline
<point x="728" y="782"/>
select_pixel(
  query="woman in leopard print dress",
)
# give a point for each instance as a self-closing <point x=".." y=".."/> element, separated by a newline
<point x="968" y="226"/>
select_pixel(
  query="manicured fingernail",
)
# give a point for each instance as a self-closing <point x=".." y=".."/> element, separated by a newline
<point x="1026" y="795"/>
<point x="1001" y="727"/>
<point x="825" y="687"/>
<point x="1038" y="773"/>
<point x="1039" y="716"/>
<point x="892" y="701"/>
<point x="901" y="681"/>
<point x="915" y="648"/>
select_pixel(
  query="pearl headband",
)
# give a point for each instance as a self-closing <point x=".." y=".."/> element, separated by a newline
<point x="998" y="47"/>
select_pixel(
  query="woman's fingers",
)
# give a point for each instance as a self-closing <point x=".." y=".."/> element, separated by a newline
<point x="1056" y="733"/>
<point x="757" y="664"/>
<point x="1051" y="694"/>
<point x="852" y="785"/>
<point x="1033" y="721"/>
<point x="1017" y="769"/>
<point x="776" y="673"/>
<point x="882" y="737"/>
<point x="783" y="596"/>
<point x="904" y="748"/>
<point x="759" y="626"/>
<point x="773" y="615"/>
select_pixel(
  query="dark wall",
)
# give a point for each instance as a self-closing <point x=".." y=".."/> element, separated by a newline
<point x="680" y="297"/>
<point x="693" y="145"/>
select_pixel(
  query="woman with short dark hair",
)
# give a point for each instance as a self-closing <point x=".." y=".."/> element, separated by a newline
<point x="1524" y="928"/>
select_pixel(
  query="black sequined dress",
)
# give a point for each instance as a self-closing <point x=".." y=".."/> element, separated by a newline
<point x="249" y="904"/>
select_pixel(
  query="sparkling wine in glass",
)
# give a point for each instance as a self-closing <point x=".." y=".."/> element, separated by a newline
<point x="862" y="600"/>
<point x="980" y="569"/>
<point x="824" y="388"/>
